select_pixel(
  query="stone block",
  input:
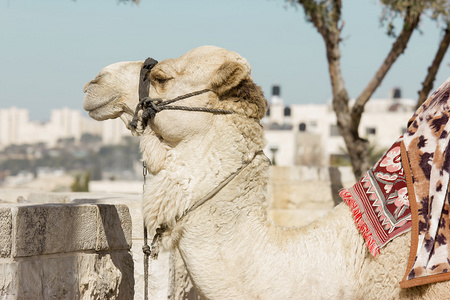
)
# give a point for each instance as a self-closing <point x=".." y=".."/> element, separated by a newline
<point x="114" y="227"/>
<point x="8" y="281"/>
<point x="158" y="278"/>
<point x="5" y="232"/>
<point x="133" y="202"/>
<point x="107" y="276"/>
<point x="30" y="276"/>
<point x="47" y="229"/>
<point x="72" y="276"/>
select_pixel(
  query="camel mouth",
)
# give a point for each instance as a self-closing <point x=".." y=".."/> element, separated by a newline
<point x="92" y="102"/>
<point x="91" y="106"/>
<point x="99" y="116"/>
<point x="104" y="112"/>
<point x="102" y="109"/>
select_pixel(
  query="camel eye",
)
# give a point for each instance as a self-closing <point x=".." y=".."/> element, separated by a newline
<point x="160" y="80"/>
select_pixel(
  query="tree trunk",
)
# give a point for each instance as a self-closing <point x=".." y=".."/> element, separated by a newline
<point x="427" y="85"/>
<point x="330" y="31"/>
<point x="336" y="184"/>
<point x="357" y="148"/>
<point x="326" y="18"/>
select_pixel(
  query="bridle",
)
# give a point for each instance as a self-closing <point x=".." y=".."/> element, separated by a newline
<point x="151" y="106"/>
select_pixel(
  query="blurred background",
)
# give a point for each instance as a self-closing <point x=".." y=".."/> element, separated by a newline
<point x="50" y="49"/>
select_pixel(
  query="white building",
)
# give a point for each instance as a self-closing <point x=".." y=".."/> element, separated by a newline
<point x="16" y="127"/>
<point x="66" y="123"/>
<point x="113" y="131"/>
<point x="306" y="134"/>
<point x="14" y="122"/>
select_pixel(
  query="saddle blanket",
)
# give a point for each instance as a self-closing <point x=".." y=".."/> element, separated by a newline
<point x="407" y="189"/>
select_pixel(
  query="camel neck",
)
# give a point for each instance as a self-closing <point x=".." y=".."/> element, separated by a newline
<point x="188" y="172"/>
<point x="212" y="233"/>
<point x="218" y="188"/>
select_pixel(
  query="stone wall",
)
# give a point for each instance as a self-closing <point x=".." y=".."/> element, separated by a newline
<point x="64" y="251"/>
<point x="299" y="195"/>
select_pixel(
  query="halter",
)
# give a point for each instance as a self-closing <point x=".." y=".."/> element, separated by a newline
<point x="151" y="106"/>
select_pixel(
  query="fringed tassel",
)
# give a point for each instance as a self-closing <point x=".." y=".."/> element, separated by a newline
<point x="359" y="221"/>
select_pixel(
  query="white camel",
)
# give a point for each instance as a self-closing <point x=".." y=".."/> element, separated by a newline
<point x="230" y="247"/>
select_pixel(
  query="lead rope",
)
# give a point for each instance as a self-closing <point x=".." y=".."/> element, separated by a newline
<point x="145" y="248"/>
<point x="144" y="85"/>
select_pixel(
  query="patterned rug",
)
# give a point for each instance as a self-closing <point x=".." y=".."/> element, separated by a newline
<point x="379" y="201"/>
<point x="408" y="190"/>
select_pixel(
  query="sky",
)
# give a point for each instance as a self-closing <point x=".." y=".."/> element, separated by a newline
<point x="50" y="48"/>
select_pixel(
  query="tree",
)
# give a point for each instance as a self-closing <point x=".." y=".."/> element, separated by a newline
<point x="81" y="182"/>
<point x="325" y="15"/>
<point x="427" y="84"/>
<point x="443" y="11"/>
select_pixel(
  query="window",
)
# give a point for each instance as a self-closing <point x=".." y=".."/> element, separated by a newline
<point x="371" y="130"/>
<point x="302" y="127"/>
<point x="275" y="126"/>
<point x="287" y="111"/>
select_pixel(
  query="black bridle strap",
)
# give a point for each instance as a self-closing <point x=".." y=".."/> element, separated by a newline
<point x="144" y="80"/>
<point x="144" y="86"/>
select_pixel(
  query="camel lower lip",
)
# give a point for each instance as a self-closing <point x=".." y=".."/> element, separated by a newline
<point x="90" y="106"/>
<point x="92" y="109"/>
<point x="93" y="113"/>
<point x="97" y="115"/>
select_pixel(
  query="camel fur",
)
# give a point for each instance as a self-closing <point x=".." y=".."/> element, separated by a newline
<point x="230" y="247"/>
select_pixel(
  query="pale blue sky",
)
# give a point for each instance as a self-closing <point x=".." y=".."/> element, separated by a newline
<point x="50" y="48"/>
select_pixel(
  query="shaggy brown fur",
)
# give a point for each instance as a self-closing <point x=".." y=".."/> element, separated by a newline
<point x="233" y="85"/>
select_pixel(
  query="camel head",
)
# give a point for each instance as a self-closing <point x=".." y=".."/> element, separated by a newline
<point x="180" y="136"/>
<point x="114" y="92"/>
<point x="225" y="74"/>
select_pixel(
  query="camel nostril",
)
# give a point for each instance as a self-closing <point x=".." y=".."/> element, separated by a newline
<point x="97" y="78"/>
<point x="93" y="81"/>
<point x="85" y="87"/>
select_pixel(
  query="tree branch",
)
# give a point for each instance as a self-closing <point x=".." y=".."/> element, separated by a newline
<point x="427" y="84"/>
<point x="336" y="12"/>
<point x="398" y="47"/>
<point x="313" y="13"/>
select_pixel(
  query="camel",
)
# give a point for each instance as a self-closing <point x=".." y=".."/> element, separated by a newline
<point x="230" y="247"/>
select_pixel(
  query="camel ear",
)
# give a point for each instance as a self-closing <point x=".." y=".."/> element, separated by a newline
<point x="229" y="75"/>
